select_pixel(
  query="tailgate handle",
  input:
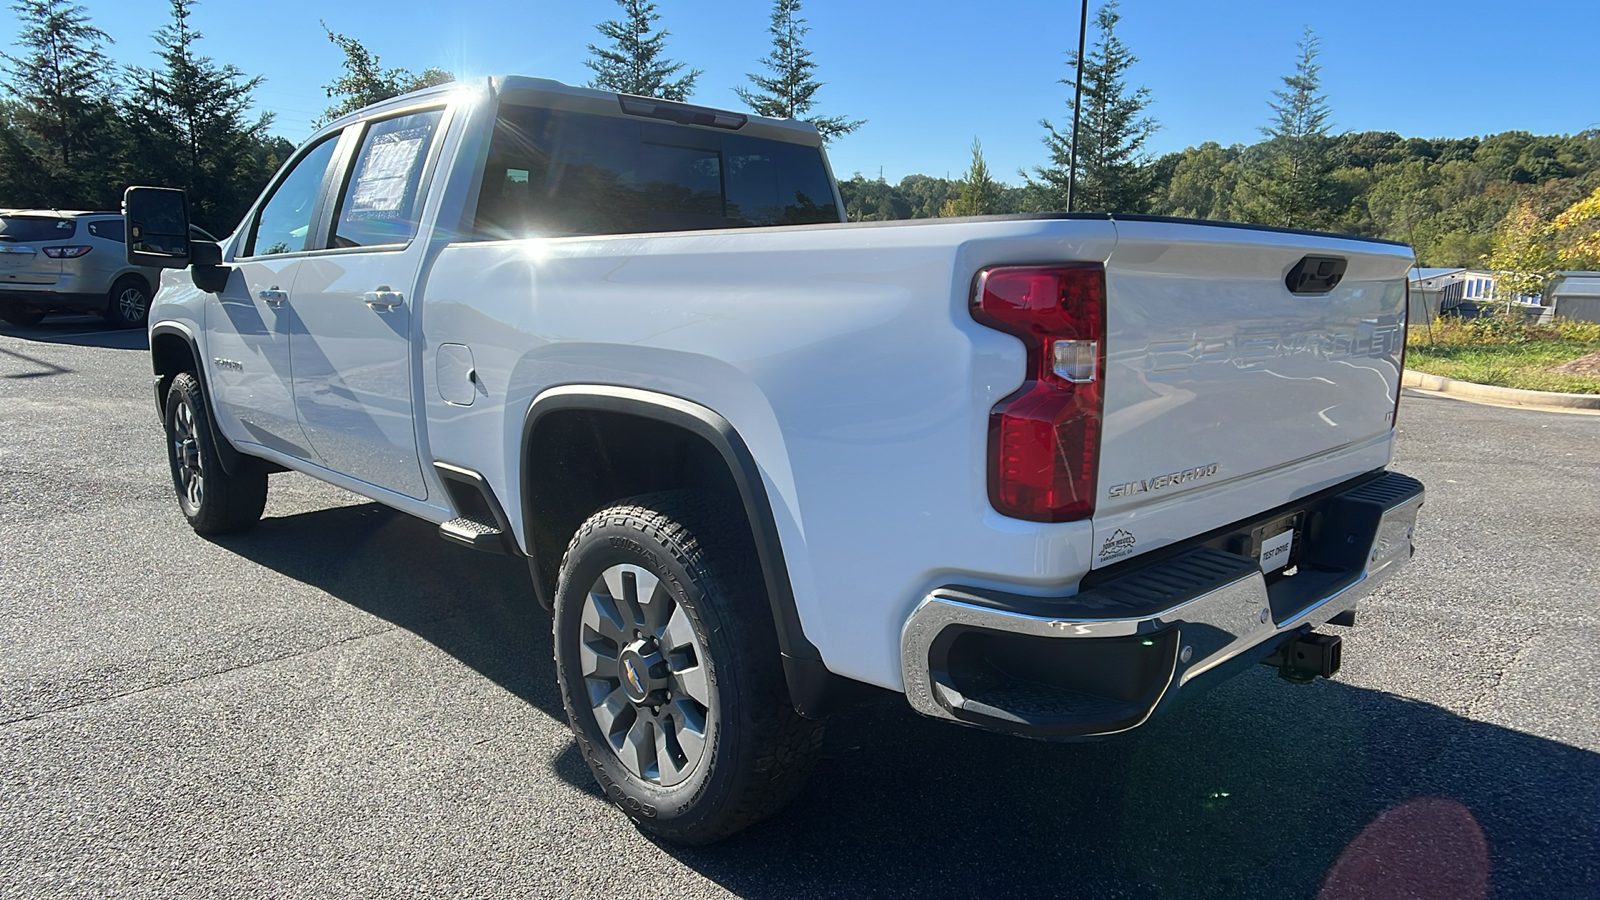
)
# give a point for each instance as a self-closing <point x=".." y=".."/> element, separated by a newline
<point x="1316" y="275"/>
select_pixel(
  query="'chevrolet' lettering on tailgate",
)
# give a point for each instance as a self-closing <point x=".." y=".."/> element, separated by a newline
<point x="1249" y="349"/>
<point x="1161" y="481"/>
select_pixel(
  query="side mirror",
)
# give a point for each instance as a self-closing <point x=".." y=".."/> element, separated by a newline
<point x="205" y="253"/>
<point x="209" y="274"/>
<point x="157" y="227"/>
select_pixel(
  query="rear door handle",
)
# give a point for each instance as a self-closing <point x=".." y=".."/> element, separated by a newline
<point x="274" y="296"/>
<point x="383" y="299"/>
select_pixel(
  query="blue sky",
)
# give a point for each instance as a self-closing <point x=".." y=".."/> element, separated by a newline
<point x="931" y="75"/>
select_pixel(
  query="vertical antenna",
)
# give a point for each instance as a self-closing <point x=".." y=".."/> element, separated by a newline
<point x="1077" y="103"/>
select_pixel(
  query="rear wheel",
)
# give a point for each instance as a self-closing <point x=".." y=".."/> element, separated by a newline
<point x="212" y="499"/>
<point x="128" y="304"/>
<point x="23" y="317"/>
<point x="669" y="670"/>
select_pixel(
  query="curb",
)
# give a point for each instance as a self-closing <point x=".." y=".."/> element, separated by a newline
<point x="1492" y="394"/>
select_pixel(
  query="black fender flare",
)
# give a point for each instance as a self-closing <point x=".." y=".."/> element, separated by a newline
<point x="810" y="683"/>
<point x="232" y="460"/>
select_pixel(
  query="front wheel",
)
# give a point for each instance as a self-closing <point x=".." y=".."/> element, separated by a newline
<point x="669" y="670"/>
<point x="213" y="500"/>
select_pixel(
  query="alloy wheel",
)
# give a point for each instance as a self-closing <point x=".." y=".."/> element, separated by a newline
<point x="132" y="304"/>
<point x="186" y="458"/>
<point x="645" y="671"/>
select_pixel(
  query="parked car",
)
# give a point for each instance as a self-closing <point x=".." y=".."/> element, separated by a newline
<point x="70" y="261"/>
<point x="1040" y="474"/>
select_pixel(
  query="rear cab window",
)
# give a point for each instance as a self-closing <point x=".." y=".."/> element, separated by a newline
<point x="557" y="172"/>
<point x="15" y="229"/>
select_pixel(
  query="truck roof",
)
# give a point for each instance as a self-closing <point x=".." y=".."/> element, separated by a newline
<point x="58" y="213"/>
<point x="553" y="94"/>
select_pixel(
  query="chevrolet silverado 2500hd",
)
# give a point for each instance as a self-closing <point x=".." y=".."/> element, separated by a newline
<point x="1041" y="474"/>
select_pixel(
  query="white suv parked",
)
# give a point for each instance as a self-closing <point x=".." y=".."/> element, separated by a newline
<point x="60" y="261"/>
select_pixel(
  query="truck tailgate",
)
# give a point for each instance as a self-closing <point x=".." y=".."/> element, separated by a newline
<point x="1217" y="374"/>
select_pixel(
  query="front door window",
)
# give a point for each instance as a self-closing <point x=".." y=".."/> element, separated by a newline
<point x="284" y="223"/>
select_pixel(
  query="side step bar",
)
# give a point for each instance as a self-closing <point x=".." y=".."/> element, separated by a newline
<point x="481" y="523"/>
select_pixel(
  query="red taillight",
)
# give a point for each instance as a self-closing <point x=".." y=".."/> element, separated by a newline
<point x="66" y="252"/>
<point x="1044" y="440"/>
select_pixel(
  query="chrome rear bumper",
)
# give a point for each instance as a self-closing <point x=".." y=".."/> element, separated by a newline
<point x="1105" y="659"/>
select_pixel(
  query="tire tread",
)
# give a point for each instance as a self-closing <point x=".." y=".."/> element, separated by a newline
<point x="232" y="502"/>
<point x="713" y="547"/>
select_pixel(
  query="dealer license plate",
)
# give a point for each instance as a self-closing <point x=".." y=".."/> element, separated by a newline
<point x="1275" y="551"/>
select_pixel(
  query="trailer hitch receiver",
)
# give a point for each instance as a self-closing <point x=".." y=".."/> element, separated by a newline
<point x="1303" y="659"/>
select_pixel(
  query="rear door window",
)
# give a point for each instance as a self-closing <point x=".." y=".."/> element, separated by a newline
<point x="18" y="229"/>
<point x="382" y="201"/>
<point x="110" y="229"/>
<point x="554" y="172"/>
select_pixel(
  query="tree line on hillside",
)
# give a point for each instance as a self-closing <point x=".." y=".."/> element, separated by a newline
<point x="1523" y="204"/>
<point x="1458" y="201"/>
<point x="75" y="128"/>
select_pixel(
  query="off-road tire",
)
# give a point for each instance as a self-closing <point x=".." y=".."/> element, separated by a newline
<point x="757" y="750"/>
<point x="23" y="318"/>
<point x="225" y="502"/>
<point x="128" y="303"/>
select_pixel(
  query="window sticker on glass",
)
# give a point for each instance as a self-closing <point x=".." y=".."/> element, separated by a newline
<point x="382" y="201"/>
<point x="381" y="185"/>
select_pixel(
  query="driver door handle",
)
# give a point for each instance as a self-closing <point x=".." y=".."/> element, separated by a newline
<point x="274" y="296"/>
<point x="383" y="299"/>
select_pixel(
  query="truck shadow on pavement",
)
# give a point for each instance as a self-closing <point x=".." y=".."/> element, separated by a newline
<point x="1257" y="789"/>
<point x="83" y="331"/>
<point x="477" y="607"/>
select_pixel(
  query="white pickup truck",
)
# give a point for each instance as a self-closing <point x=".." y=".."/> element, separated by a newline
<point x="1043" y="474"/>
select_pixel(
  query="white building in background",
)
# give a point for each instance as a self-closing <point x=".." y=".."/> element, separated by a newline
<point x="1458" y="291"/>
<point x="1575" y="295"/>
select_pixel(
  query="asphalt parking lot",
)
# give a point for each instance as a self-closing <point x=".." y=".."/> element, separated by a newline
<point x="340" y="704"/>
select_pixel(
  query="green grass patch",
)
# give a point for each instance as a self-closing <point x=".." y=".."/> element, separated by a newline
<point x="1505" y="351"/>
<point x="1506" y="365"/>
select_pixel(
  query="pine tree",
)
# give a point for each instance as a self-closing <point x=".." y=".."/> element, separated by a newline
<point x="1292" y="185"/>
<point x="25" y="180"/>
<point x="634" y="64"/>
<point x="1113" y="167"/>
<point x="63" y="82"/>
<point x="790" y="91"/>
<point x="980" y="193"/>
<point x="366" y="82"/>
<point x="190" y="126"/>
